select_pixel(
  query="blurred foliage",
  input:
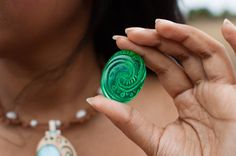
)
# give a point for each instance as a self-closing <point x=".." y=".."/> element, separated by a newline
<point x="205" y="13"/>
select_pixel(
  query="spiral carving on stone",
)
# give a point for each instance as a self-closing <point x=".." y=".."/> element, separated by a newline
<point x="123" y="76"/>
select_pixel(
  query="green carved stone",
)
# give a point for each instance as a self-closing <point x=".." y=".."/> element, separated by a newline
<point x="123" y="76"/>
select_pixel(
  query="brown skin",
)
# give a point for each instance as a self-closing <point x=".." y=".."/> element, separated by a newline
<point x="98" y="136"/>
<point x="36" y="36"/>
<point x="203" y="90"/>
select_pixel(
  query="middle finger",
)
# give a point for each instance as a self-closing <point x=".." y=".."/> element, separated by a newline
<point x="148" y="37"/>
<point x="216" y="62"/>
<point x="171" y="75"/>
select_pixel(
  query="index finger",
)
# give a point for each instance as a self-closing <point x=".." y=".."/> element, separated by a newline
<point x="216" y="61"/>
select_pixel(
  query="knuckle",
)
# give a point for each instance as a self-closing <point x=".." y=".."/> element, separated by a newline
<point x="217" y="47"/>
<point x="182" y="57"/>
<point x="189" y="30"/>
<point x="166" y="68"/>
<point x="129" y="120"/>
<point x="204" y="54"/>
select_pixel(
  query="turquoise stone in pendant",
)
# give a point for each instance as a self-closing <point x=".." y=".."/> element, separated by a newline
<point x="54" y="144"/>
<point x="48" y="150"/>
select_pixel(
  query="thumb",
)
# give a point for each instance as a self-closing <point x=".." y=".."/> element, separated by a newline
<point x="145" y="134"/>
<point x="229" y="33"/>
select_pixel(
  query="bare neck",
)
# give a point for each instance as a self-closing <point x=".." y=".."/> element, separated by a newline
<point x="55" y="94"/>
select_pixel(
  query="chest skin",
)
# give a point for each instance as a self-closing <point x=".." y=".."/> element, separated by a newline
<point x="98" y="136"/>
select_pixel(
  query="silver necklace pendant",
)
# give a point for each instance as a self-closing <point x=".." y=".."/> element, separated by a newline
<point x="54" y="144"/>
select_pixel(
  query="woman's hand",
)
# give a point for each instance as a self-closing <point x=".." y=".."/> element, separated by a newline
<point x="202" y="86"/>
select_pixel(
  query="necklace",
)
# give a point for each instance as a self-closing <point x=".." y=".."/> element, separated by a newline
<point x="53" y="143"/>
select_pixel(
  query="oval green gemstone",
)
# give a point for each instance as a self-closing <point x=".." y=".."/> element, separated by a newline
<point x="123" y="76"/>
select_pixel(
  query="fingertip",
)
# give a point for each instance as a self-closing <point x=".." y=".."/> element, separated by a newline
<point x="228" y="23"/>
<point x="89" y="100"/>
<point x="166" y="28"/>
<point x="136" y="29"/>
<point x="95" y="100"/>
<point x="227" y="28"/>
<point x="157" y="20"/>
<point x="116" y="37"/>
<point x="100" y="102"/>
<point x="162" y="22"/>
<point x="116" y="111"/>
<point x="122" y="43"/>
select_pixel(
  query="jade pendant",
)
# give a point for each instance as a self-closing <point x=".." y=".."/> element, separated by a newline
<point x="123" y="76"/>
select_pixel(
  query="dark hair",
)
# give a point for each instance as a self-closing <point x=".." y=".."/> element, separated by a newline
<point x="111" y="17"/>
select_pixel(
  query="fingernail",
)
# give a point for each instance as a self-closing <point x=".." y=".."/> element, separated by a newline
<point x="157" y="20"/>
<point x="227" y="22"/>
<point x="115" y="37"/>
<point x="90" y="101"/>
<point x="127" y="30"/>
<point x="163" y="21"/>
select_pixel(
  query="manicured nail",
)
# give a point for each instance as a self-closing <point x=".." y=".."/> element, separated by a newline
<point x="90" y="101"/>
<point x="227" y="22"/>
<point x="163" y="21"/>
<point x="127" y="30"/>
<point x="157" y="20"/>
<point x="115" y="37"/>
